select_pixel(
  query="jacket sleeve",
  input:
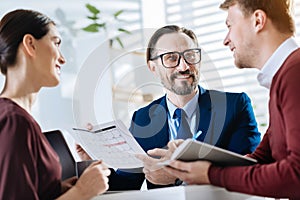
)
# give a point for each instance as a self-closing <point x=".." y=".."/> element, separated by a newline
<point x="245" y="136"/>
<point x="125" y="180"/>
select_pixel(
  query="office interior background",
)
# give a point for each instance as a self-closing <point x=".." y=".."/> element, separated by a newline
<point x="103" y="81"/>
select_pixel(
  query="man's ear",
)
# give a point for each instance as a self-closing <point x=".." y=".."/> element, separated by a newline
<point x="29" y="44"/>
<point x="152" y="66"/>
<point x="260" y="19"/>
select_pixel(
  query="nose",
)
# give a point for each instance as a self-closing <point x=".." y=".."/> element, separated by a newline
<point x="61" y="59"/>
<point x="226" y="40"/>
<point x="183" y="66"/>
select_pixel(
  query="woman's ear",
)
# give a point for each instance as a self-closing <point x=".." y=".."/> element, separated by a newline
<point x="29" y="44"/>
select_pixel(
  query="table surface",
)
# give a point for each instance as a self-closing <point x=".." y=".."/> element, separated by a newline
<point x="193" y="192"/>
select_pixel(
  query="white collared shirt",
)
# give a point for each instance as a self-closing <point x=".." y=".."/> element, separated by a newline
<point x="191" y="111"/>
<point x="273" y="64"/>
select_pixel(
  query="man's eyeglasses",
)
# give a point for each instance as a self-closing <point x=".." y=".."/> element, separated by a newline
<point x="172" y="59"/>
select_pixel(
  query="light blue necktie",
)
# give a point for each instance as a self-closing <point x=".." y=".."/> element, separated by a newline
<point x="181" y="124"/>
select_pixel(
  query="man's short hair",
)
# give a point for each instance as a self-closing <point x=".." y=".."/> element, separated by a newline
<point x="166" y="30"/>
<point x="280" y="12"/>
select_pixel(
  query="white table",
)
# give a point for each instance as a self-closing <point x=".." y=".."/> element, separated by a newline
<point x="193" y="192"/>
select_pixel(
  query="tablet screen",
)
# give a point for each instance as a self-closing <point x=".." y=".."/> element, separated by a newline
<point x="58" y="143"/>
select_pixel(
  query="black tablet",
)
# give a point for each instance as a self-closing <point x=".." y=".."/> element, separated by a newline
<point x="59" y="144"/>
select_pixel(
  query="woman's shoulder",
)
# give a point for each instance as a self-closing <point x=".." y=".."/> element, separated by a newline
<point x="10" y="108"/>
<point x="12" y="115"/>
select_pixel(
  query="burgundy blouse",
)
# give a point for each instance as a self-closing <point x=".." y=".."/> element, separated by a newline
<point x="29" y="167"/>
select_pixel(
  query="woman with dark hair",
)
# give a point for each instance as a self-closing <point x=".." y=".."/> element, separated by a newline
<point x="30" y="59"/>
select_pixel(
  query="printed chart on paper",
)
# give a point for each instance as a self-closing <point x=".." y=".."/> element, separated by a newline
<point x="110" y="142"/>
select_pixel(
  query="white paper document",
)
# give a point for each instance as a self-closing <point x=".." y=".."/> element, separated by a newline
<point x="111" y="142"/>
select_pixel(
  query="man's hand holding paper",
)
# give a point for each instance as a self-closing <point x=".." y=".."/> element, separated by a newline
<point x="154" y="172"/>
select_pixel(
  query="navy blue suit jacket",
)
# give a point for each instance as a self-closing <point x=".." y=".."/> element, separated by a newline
<point x="226" y="120"/>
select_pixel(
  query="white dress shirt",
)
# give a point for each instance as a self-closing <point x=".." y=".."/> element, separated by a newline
<point x="192" y="115"/>
<point x="273" y="64"/>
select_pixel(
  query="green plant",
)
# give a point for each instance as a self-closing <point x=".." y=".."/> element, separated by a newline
<point x="99" y="24"/>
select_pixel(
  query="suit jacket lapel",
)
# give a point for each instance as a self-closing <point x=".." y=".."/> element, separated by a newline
<point x="204" y="104"/>
<point x="159" y="115"/>
<point x="212" y="115"/>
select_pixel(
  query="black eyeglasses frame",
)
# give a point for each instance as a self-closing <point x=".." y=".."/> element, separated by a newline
<point x="181" y="55"/>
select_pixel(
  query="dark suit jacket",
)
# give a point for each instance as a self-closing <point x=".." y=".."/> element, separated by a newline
<point x="226" y="120"/>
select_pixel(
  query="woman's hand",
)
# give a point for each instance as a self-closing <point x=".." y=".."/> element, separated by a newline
<point x="94" y="180"/>
<point x="80" y="151"/>
<point x="68" y="183"/>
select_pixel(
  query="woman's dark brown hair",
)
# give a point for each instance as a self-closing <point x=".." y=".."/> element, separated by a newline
<point x="13" y="26"/>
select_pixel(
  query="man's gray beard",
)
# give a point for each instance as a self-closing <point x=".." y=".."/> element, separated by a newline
<point x="185" y="89"/>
